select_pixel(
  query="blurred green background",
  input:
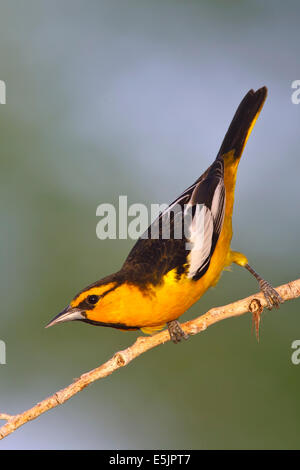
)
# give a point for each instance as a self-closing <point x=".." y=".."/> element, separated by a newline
<point x="134" y="97"/>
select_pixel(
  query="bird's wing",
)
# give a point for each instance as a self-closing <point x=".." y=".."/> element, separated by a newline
<point x="184" y="236"/>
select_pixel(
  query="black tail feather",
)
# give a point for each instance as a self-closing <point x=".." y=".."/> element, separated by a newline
<point x="242" y="122"/>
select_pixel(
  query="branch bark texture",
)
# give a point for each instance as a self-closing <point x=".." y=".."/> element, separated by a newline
<point x="254" y="304"/>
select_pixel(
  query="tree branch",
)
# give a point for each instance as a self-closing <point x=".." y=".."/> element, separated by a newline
<point x="254" y="304"/>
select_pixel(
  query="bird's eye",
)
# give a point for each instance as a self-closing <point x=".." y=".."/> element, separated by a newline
<point x="93" y="299"/>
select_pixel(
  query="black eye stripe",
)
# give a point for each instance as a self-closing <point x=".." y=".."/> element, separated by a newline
<point x="86" y="305"/>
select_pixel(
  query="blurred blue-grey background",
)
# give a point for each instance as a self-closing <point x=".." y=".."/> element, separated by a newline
<point x="134" y="97"/>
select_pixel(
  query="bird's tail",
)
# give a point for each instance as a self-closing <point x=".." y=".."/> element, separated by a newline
<point x="243" y="122"/>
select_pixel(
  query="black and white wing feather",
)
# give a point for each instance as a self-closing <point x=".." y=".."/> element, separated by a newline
<point x="185" y="235"/>
<point x="208" y="198"/>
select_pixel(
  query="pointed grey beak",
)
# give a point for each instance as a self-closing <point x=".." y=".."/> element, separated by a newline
<point x="68" y="314"/>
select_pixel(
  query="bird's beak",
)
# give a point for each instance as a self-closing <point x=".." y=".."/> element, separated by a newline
<point x="68" y="314"/>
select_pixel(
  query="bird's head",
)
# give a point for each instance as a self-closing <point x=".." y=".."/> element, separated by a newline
<point x="94" y="305"/>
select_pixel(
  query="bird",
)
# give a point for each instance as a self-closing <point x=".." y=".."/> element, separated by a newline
<point x="163" y="276"/>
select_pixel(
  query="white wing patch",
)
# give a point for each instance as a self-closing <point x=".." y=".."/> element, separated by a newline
<point x="205" y="222"/>
<point x="217" y="206"/>
<point x="201" y="233"/>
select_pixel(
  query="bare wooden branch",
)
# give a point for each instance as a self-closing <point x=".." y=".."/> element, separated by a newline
<point x="254" y="304"/>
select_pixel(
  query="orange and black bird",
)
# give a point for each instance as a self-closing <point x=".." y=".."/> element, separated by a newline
<point x="163" y="276"/>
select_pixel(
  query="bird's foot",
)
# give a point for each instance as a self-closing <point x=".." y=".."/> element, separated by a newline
<point x="271" y="295"/>
<point x="176" y="332"/>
